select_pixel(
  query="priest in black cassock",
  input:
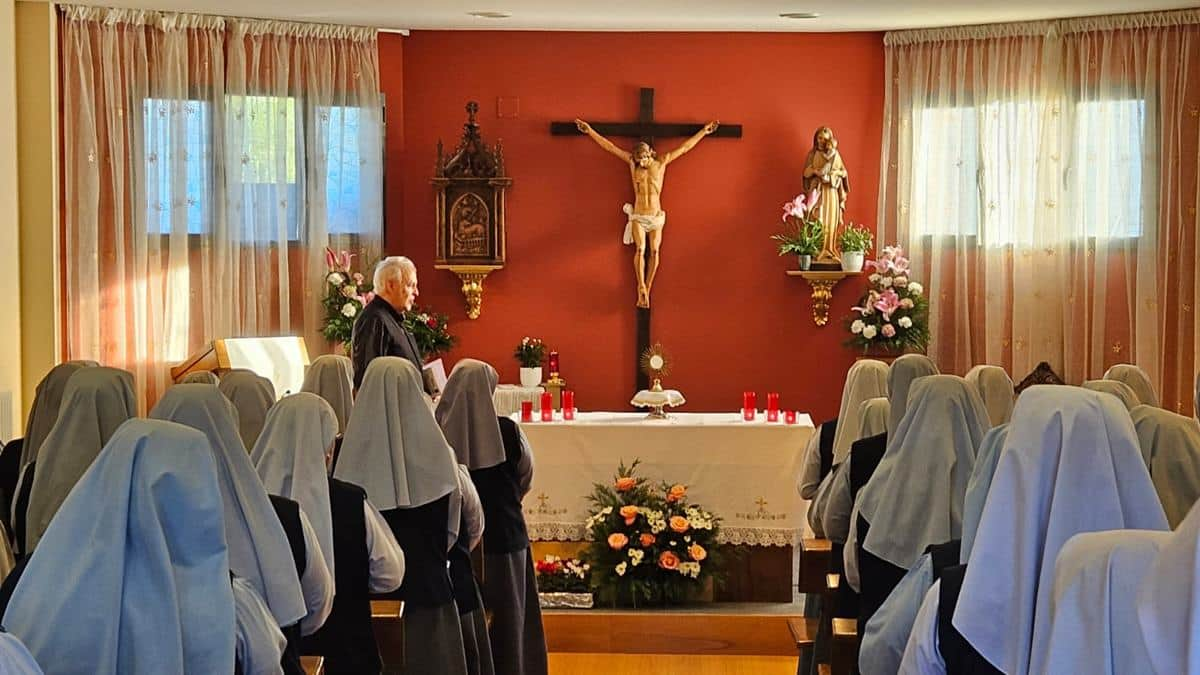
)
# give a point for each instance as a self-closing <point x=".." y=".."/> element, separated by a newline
<point x="379" y="329"/>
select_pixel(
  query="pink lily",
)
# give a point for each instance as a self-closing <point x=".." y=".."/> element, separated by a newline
<point x="345" y="257"/>
<point x="887" y="303"/>
<point x="330" y="259"/>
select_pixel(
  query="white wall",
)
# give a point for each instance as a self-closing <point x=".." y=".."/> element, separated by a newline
<point x="10" y="271"/>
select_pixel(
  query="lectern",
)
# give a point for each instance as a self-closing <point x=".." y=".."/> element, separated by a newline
<point x="279" y="359"/>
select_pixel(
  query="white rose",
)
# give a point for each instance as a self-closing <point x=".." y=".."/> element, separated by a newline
<point x="868" y="332"/>
<point x="621" y="569"/>
<point x="336" y="279"/>
<point x="874" y="278"/>
<point x="886" y="282"/>
<point x="349" y="309"/>
<point x="905" y="322"/>
<point x="900" y="282"/>
<point x="857" y="326"/>
<point x="915" y="288"/>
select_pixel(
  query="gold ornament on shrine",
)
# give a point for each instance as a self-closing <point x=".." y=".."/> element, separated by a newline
<point x="470" y="188"/>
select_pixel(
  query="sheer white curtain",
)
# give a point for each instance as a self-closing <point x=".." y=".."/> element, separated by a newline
<point x="1043" y="177"/>
<point x="208" y="162"/>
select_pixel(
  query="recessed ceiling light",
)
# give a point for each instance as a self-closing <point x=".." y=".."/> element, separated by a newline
<point x="490" y="15"/>
<point x="799" y="15"/>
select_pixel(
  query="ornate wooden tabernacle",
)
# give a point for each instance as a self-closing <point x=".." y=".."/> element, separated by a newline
<point x="470" y="187"/>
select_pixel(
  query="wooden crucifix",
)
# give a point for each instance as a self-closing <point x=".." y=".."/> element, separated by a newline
<point x="644" y="217"/>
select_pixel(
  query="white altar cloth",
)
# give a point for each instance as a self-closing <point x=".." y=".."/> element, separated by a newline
<point x="507" y="398"/>
<point x="744" y="472"/>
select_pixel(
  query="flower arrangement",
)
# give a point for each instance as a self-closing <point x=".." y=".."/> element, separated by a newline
<point x="558" y="575"/>
<point x="530" y="352"/>
<point x="649" y="544"/>
<point x="803" y="234"/>
<point x="894" y="313"/>
<point x="430" y="330"/>
<point x="347" y="292"/>
<point x="855" y="239"/>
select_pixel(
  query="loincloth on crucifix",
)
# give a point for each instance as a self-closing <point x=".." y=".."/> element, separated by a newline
<point x="647" y="223"/>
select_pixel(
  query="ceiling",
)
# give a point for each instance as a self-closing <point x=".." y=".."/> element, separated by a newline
<point x="657" y="15"/>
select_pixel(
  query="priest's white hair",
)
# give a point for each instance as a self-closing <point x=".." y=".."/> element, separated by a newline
<point x="395" y="266"/>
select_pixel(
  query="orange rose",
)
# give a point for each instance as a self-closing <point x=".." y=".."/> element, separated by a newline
<point x="676" y="493"/>
<point x="679" y="524"/>
<point x="626" y="484"/>
<point x="629" y="513"/>
<point x="617" y="541"/>
<point x="647" y="540"/>
<point x="697" y="552"/>
<point x="668" y="561"/>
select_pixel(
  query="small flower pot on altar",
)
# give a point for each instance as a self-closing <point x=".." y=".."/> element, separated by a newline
<point x="531" y="377"/>
<point x="566" y="600"/>
<point x="805" y="262"/>
<point x="852" y="261"/>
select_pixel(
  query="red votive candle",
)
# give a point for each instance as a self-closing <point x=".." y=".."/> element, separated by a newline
<point x="772" y="406"/>
<point x="547" y="407"/>
<point x="568" y="404"/>
<point x="749" y="405"/>
<point x="789" y="416"/>
<point x="526" y="411"/>
<point x="554" y="363"/>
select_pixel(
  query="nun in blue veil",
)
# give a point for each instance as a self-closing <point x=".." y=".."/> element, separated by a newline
<point x="151" y="592"/>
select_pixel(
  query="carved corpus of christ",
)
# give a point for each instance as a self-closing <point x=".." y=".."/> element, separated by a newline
<point x="644" y="217"/>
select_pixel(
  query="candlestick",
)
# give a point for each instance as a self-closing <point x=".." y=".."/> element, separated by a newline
<point x="547" y="407"/>
<point x="554" y="364"/>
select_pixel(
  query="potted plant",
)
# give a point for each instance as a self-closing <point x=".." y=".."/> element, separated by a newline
<point x="563" y="583"/>
<point x="855" y="241"/>
<point x="803" y="234"/>
<point x="530" y="354"/>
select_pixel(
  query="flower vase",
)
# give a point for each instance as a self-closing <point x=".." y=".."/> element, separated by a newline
<point x="852" y="261"/>
<point x="565" y="600"/>
<point x="805" y="262"/>
<point x="531" y="377"/>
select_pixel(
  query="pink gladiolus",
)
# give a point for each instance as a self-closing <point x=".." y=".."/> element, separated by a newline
<point x="330" y="259"/>
<point x="888" y="302"/>
<point x="345" y="257"/>
<point x="888" y="330"/>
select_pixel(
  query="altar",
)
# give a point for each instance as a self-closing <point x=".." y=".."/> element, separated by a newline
<point x="744" y="472"/>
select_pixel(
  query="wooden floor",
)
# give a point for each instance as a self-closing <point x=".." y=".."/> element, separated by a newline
<point x="669" y="664"/>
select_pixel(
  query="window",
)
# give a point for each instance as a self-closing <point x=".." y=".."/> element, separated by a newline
<point x="265" y="149"/>
<point x="975" y="171"/>
<point x="1106" y="176"/>
<point x="178" y="153"/>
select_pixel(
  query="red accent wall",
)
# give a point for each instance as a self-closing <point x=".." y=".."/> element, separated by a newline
<point x="723" y="307"/>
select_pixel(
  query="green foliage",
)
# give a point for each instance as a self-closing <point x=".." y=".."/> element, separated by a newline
<point x="531" y="352"/>
<point x="855" y="238"/>
<point x="801" y="238"/>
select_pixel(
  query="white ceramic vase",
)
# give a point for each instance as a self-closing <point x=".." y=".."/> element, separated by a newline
<point x="531" y="377"/>
<point x="852" y="261"/>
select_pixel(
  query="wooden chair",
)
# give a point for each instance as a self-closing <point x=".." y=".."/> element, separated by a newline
<point x="313" y="665"/>
<point x="815" y="558"/>
<point x="843" y="659"/>
<point x="387" y="617"/>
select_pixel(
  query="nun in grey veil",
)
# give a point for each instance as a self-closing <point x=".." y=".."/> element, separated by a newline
<point x="501" y="467"/>
<point x="394" y="449"/>
<point x="252" y="396"/>
<point x="95" y="402"/>
<point x="1119" y="389"/>
<point x="1171" y="447"/>
<point x="1137" y="379"/>
<point x="331" y="376"/>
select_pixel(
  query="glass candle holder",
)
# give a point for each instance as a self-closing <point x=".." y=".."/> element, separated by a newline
<point x="526" y="411"/>
<point x="749" y="405"/>
<point x="568" y="404"/>
<point x="789" y="417"/>
<point x="547" y="407"/>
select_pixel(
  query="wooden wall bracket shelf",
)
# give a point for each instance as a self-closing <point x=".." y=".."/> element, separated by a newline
<point x="822" y="283"/>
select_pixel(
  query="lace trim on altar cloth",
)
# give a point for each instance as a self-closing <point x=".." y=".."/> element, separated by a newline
<point x="744" y="536"/>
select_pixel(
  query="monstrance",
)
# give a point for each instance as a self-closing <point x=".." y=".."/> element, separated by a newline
<point x="657" y="365"/>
